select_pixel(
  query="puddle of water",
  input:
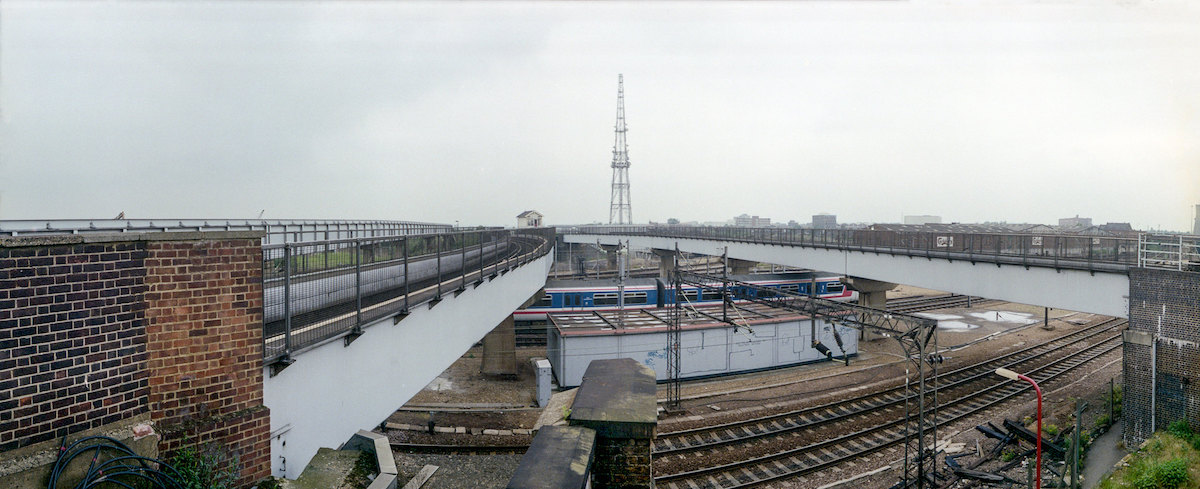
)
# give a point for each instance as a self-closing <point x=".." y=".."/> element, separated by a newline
<point x="955" y="325"/>
<point x="1004" y="317"/>
<point x="938" y="317"/>
<point x="440" y="384"/>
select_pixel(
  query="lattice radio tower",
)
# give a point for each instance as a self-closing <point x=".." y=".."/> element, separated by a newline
<point x="619" y="209"/>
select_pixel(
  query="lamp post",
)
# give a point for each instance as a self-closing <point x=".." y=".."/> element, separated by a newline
<point x="1009" y="374"/>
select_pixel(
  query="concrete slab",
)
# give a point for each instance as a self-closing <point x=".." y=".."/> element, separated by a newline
<point x="618" y="399"/>
<point x="556" y="410"/>
<point x="327" y="469"/>
<point x="558" y="458"/>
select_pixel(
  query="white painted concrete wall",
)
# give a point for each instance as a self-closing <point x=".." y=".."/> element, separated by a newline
<point x="333" y="390"/>
<point x="1101" y="293"/>
<point x="705" y="352"/>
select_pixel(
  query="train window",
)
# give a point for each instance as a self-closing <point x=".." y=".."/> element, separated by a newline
<point x="790" y="287"/>
<point x="766" y="293"/>
<point x="545" y="301"/>
<point x="576" y="300"/>
<point x="690" y="295"/>
<point x="604" y="299"/>
<point x="834" y="288"/>
<point x="635" y="297"/>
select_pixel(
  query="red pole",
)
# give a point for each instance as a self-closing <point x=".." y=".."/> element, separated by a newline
<point x="1038" y="467"/>
<point x="1015" y="376"/>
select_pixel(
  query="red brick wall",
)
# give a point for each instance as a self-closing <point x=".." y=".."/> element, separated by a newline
<point x="72" y="339"/>
<point x="96" y="330"/>
<point x="204" y="338"/>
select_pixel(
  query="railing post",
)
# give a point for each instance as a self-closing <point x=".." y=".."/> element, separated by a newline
<point x="357" y="285"/>
<point x="1179" y="264"/>
<point x="462" y="266"/>
<point x="479" y="235"/>
<point x="438" y="237"/>
<point x="287" y="300"/>
<point x="404" y="242"/>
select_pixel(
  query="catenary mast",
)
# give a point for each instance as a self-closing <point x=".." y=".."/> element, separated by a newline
<point x="619" y="209"/>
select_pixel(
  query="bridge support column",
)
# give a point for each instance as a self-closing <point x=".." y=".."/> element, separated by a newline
<point x="617" y="400"/>
<point x="740" y="267"/>
<point x="871" y="293"/>
<point x="610" y="253"/>
<point x="500" y="350"/>
<point x="666" y="263"/>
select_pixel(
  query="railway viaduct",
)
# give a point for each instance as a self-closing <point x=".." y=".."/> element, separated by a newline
<point x="1026" y="274"/>
<point x="1154" y="281"/>
<point x="108" y="325"/>
<point x="272" y="339"/>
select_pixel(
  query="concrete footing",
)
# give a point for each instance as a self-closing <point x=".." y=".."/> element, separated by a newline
<point x="871" y="293"/>
<point x="740" y="267"/>
<point x="666" y="264"/>
<point x="500" y="350"/>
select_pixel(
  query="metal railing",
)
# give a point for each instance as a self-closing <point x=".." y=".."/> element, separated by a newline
<point x="318" y="291"/>
<point x="1059" y="251"/>
<point x="1169" y="252"/>
<point x="277" y="230"/>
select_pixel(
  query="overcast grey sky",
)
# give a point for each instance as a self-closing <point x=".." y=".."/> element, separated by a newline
<point x="475" y="112"/>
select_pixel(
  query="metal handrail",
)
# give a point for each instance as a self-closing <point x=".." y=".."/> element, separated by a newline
<point x="1059" y="251"/>
<point x="277" y="230"/>
<point x="1169" y="252"/>
<point x="315" y="292"/>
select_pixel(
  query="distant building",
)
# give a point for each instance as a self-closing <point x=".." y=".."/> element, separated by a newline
<point x="824" y="221"/>
<point x="1196" y="224"/>
<point x="745" y="221"/>
<point x="1069" y="223"/>
<point x="529" y="219"/>
<point x="1118" y="229"/>
<point x="924" y="219"/>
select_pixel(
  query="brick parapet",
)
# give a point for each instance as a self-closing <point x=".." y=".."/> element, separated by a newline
<point x="622" y="463"/>
<point x="72" y="339"/>
<point x="204" y="335"/>
<point x="96" y="329"/>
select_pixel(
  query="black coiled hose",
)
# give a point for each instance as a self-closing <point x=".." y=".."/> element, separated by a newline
<point x="113" y="465"/>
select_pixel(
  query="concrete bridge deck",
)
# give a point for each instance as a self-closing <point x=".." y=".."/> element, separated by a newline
<point x="1082" y="273"/>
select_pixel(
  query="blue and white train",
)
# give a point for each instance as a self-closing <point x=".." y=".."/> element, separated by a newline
<point x="601" y="295"/>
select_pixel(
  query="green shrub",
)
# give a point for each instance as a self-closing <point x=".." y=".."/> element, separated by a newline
<point x="1181" y="429"/>
<point x="1103" y="421"/>
<point x="1050" y="430"/>
<point x="1008" y="455"/>
<point x="1166" y="475"/>
<point x="205" y="467"/>
<point x="1172" y="473"/>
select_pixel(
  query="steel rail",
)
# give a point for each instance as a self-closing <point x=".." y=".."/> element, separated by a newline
<point x="776" y="425"/>
<point x="884" y="434"/>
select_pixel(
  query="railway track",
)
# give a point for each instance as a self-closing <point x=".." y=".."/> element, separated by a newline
<point x="918" y="304"/>
<point x="966" y="390"/>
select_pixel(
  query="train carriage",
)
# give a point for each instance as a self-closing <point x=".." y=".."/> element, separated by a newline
<point x="602" y="295"/>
